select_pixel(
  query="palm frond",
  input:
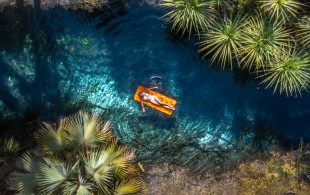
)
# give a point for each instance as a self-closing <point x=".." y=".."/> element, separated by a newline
<point x="98" y="164"/>
<point x="133" y="186"/>
<point x="120" y="161"/>
<point x="223" y="4"/>
<point x="223" y="40"/>
<point x="189" y="15"/>
<point x="10" y="146"/>
<point x="85" y="130"/>
<point x="24" y="181"/>
<point x="290" y="73"/>
<point x="303" y="32"/>
<point x="281" y="9"/>
<point x="261" y="40"/>
<point x="52" y="176"/>
<point x="51" y="141"/>
<point x="80" y="187"/>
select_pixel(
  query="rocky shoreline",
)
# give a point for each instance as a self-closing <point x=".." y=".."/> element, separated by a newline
<point x="274" y="173"/>
<point x="170" y="179"/>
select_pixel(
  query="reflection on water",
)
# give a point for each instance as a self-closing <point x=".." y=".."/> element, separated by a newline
<point x="101" y="58"/>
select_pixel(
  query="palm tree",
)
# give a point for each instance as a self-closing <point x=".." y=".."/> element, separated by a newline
<point x="261" y="40"/>
<point x="189" y="15"/>
<point x="91" y="161"/>
<point x="223" y="39"/>
<point x="281" y="9"/>
<point x="289" y="72"/>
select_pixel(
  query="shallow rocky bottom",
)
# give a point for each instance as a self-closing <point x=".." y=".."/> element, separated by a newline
<point x="169" y="179"/>
<point x="273" y="173"/>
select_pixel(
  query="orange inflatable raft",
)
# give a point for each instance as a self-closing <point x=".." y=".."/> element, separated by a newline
<point x="163" y="98"/>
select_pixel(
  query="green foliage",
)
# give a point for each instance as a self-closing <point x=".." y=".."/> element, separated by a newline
<point x="281" y="9"/>
<point x="189" y="15"/>
<point x="302" y="160"/>
<point x="228" y="5"/>
<point x="289" y="72"/>
<point x="80" y="156"/>
<point x="243" y="4"/>
<point x="261" y="41"/>
<point x="25" y="182"/>
<point x="303" y="32"/>
<point x="255" y="33"/>
<point x="10" y="146"/>
<point x="223" y="40"/>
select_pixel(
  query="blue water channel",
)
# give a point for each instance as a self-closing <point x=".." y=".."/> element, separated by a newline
<point x="104" y="56"/>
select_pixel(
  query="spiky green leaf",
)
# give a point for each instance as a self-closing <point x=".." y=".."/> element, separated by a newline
<point x="261" y="41"/>
<point x="289" y="73"/>
<point x="189" y="15"/>
<point x="223" y="40"/>
<point x="281" y="9"/>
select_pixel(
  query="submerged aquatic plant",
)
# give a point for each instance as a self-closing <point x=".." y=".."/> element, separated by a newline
<point x="289" y="72"/>
<point x="222" y="40"/>
<point x="261" y="41"/>
<point x="189" y="15"/>
<point x="281" y="9"/>
<point x="92" y="161"/>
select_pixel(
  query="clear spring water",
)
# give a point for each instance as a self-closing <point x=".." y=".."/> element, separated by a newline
<point x="50" y="55"/>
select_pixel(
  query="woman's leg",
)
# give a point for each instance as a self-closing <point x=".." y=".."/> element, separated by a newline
<point x="163" y="104"/>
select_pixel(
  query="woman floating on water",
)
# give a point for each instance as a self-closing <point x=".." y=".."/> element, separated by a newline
<point x="145" y="96"/>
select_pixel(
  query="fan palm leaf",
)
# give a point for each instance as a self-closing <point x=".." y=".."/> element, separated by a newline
<point x="52" y="176"/>
<point x="290" y="73"/>
<point x="25" y="182"/>
<point x="130" y="187"/>
<point x="98" y="164"/>
<point x="51" y="141"/>
<point x="261" y="40"/>
<point x="82" y="187"/>
<point x="85" y="130"/>
<point x="281" y="9"/>
<point x="120" y="158"/>
<point x="189" y="15"/>
<point x="223" y="40"/>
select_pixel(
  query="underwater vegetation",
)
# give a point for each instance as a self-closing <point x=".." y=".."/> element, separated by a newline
<point x="78" y="156"/>
<point x="263" y="37"/>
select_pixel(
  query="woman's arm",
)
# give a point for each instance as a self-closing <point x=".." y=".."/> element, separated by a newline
<point x="142" y="105"/>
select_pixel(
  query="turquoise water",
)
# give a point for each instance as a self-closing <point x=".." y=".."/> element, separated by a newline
<point x="49" y="57"/>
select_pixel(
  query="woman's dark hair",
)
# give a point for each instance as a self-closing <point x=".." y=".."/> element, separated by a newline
<point x="140" y="94"/>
